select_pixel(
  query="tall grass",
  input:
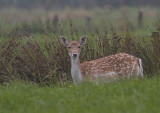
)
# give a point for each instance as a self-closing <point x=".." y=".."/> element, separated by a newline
<point x="44" y="60"/>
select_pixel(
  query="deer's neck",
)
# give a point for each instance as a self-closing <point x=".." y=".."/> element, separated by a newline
<point x="75" y="70"/>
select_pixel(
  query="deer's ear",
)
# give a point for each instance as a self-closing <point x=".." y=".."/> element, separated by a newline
<point x="83" y="40"/>
<point x="64" y="40"/>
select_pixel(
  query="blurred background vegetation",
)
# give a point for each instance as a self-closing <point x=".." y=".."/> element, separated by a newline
<point x="61" y="4"/>
<point x="120" y="14"/>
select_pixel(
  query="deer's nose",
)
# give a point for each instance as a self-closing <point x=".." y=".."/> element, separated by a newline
<point x="74" y="54"/>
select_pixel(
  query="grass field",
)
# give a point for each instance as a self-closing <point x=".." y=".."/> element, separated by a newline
<point x="126" y="96"/>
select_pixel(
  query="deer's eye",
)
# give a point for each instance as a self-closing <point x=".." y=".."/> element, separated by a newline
<point x="79" y="46"/>
<point x="68" y="47"/>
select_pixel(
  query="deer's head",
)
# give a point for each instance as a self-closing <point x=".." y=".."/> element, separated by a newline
<point x="73" y="46"/>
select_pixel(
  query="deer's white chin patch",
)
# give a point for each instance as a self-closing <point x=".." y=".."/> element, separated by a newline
<point x="74" y="59"/>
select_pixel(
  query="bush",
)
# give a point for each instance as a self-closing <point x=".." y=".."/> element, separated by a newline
<point x="24" y="57"/>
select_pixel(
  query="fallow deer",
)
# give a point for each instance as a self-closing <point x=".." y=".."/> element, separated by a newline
<point x="114" y="66"/>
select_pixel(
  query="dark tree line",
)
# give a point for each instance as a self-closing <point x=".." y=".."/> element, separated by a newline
<point x="60" y="4"/>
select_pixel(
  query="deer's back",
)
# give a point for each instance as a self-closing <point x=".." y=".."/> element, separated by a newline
<point x="113" y="66"/>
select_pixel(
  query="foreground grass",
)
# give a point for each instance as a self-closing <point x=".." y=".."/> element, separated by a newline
<point x="126" y="96"/>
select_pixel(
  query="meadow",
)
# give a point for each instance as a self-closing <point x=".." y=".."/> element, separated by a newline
<point x="35" y="66"/>
<point x="125" y="96"/>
